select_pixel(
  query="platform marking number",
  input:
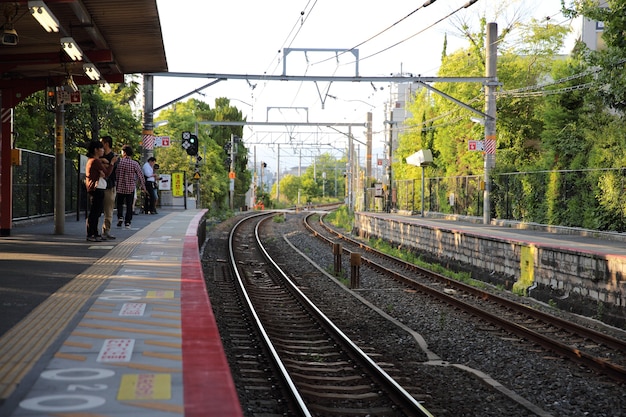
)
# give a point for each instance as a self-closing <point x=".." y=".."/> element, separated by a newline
<point x="71" y="402"/>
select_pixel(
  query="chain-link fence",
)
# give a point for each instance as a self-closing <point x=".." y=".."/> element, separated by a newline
<point x="33" y="186"/>
<point x="592" y="198"/>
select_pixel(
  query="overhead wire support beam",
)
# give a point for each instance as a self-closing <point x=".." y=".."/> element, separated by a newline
<point x="327" y="78"/>
<point x="353" y="51"/>
<point x="245" y="123"/>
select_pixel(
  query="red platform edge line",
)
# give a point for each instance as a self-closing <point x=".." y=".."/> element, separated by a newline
<point x="209" y="389"/>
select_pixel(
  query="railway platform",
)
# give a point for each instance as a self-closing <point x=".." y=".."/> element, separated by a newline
<point x="121" y="327"/>
<point x="579" y="270"/>
<point x="569" y="238"/>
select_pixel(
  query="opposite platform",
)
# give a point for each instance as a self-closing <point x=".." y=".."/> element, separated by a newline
<point x="133" y="334"/>
<point x="580" y="271"/>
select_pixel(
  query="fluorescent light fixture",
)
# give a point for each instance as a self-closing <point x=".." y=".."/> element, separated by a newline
<point x="44" y="16"/>
<point x="105" y="87"/>
<point x="91" y="71"/>
<point x="69" y="85"/>
<point x="71" y="49"/>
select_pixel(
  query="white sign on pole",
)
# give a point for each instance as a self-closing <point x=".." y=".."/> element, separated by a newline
<point x="476" y="145"/>
<point x="165" y="182"/>
<point x="162" y="141"/>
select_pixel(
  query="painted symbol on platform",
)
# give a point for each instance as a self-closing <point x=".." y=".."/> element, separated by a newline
<point x="116" y="350"/>
<point x="70" y="402"/>
<point x="133" y="309"/>
<point x="145" y="387"/>
<point x="160" y="294"/>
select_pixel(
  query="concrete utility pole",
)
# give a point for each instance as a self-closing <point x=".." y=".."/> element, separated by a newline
<point x="490" y="110"/>
<point x="148" y="115"/>
<point x="368" y="155"/>
<point x="59" y="171"/>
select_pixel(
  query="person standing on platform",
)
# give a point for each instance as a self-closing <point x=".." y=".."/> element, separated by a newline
<point x="109" y="193"/>
<point x="151" y="179"/>
<point x="126" y="175"/>
<point x="95" y="170"/>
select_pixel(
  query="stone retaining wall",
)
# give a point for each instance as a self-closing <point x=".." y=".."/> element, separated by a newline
<point x="586" y="283"/>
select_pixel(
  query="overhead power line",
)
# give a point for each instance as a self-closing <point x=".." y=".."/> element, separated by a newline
<point x="426" y="4"/>
<point x="465" y="6"/>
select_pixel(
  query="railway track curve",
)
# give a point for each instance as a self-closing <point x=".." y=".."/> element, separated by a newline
<point x="598" y="351"/>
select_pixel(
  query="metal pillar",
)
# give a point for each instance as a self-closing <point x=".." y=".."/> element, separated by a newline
<point x="490" y="110"/>
<point x="59" y="171"/>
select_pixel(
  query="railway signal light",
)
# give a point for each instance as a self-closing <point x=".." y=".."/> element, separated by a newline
<point x="193" y="145"/>
<point x="190" y="143"/>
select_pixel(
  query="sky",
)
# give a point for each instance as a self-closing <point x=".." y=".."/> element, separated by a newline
<point x="248" y="37"/>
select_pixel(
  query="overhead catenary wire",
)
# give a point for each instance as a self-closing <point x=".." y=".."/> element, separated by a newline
<point x="426" y="4"/>
<point x="465" y="6"/>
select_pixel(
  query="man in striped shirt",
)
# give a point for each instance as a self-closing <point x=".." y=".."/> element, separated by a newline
<point x="127" y="173"/>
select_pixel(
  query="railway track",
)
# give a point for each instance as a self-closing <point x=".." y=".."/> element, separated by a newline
<point x="320" y="371"/>
<point x="598" y="351"/>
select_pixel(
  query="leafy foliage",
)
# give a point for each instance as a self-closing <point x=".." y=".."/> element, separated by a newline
<point x="213" y="168"/>
<point x="565" y="144"/>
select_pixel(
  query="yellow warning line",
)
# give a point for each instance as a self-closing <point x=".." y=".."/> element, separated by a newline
<point x="78" y="344"/>
<point x="104" y="303"/>
<point x="171" y="303"/>
<point x="147" y="368"/>
<point x="128" y="330"/>
<point x="175" y="285"/>
<point x="166" y="317"/>
<point x="70" y="356"/>
<point x="166" y="310"/>
<point x="170" y="408"/>
<point x="22" y="346"/>
<point x="170" y="356"/>
<point x="133" y="321"/>
<point x="163" y="344"/>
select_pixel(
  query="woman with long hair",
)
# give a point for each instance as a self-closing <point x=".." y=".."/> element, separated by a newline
<point x="94" y="171"/>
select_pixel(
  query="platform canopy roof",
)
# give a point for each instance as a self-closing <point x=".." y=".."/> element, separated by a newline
<point x="117" y="36"/>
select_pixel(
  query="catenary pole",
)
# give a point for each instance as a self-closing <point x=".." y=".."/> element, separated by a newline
<point x="490" y="119"/>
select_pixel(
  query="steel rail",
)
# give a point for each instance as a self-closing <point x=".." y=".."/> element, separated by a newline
<point x="614" y="371"/>
<point x="406" y="400"/>
<point x="296" y="398"/>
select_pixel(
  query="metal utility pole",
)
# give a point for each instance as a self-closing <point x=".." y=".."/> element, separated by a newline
<point x="231" y="177"/>
<point x="490" y="110"/>
<point x="350" y="172"/>
<point x="368" y="154"/>
<point x="59" y="171"/>
<point x="148" y="114"/>
<point x="389" y="167"/>
<point x="278" y="172"/>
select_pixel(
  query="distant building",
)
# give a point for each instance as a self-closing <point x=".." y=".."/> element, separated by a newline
<point x="592" y="31"/>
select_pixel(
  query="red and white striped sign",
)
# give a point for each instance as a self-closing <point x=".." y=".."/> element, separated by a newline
<point x="490" y="145"/>
<point x="148" y="141"/>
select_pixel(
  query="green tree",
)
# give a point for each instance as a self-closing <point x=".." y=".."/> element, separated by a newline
<point x="213" y="168"/>
<point x="97" y="115"/>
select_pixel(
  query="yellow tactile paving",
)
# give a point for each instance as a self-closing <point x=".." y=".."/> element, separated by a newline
<point x="46" y="322"/>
